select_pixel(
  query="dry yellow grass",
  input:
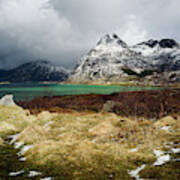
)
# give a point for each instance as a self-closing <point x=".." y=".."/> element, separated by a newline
<point x="88" y="145"/>
<point x="95" y="143"/>
<point x="1" y="141"/>
<point x="14" y="118"/>
<point x="166" y="121"/>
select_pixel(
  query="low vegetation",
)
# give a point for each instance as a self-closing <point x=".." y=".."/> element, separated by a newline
<point x="89" y="145"/>
<point x="140" y="75"/>
<point x="148" y="104"/>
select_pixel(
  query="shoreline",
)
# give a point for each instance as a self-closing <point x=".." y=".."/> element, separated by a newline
<point x="101" y="83"/>
<point x="148" y="104"/>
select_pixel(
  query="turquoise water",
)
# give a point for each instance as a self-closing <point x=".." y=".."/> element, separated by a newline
<point x="30" y="91"/>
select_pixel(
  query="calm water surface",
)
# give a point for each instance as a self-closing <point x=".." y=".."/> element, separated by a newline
<point x="30" y="91"/>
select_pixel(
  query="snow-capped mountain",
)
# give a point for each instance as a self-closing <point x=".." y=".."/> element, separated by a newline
<point x="35" y="71"/>
<point x="112" y="59"/>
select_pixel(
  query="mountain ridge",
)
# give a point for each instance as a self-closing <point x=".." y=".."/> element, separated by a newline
<point x="111" y="60"/>
<point x="35" y="71"/>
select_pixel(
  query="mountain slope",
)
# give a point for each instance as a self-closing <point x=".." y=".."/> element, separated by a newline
<point x="35" y="71"/>
<point x="113" y="60"/>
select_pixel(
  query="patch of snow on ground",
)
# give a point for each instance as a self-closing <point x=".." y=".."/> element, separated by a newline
<point x="24" y="150"/>
<point x="22" y="159"/>
<point x="47" y="178"/>
<point x="158" y="153"/>
<point x="16" y="173"/>
<point x="161" y="158"/>
<point x="134" y="150"/>
<point x="166" y="128"/>
<point x="13" y="138"/>
<point x="175" y="150"/>
<point x="17" y="145"/>
<point x="135" y="173"/>
<point x="34" y="174"/>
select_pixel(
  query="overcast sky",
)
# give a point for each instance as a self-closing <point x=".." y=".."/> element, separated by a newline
<point x="63" y="30"/>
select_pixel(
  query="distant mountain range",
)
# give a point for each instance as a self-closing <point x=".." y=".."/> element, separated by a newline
<point x="113" y="60"/>
<point x="35" y="71"/>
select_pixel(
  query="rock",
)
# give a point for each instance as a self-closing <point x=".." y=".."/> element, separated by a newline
<point x="173" y="76"/>
<point x="168" y="43"/>
<point x="112" y="40"/>
<point x="108" y="106"/>
<point x="151" y="43"/>
<point x="7" y="101"/>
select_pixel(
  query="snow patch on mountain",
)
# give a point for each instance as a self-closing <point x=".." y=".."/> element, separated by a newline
<point x="112" y="58"/>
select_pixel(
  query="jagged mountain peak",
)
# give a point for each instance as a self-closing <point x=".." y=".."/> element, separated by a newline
<point x="112" y="39"/>
<point x="163" y="43"/>
<point x="150" y="43"/>
<point x="112" y="59"/>
<point x="168" y="43"/>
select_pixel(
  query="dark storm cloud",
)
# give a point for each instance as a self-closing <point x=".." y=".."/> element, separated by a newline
<point x="63" y="30"/>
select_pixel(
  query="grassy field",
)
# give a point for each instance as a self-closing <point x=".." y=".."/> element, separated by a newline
<point x="87" y="145"/>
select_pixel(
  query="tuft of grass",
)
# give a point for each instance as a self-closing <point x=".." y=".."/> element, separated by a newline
<point x="14" y="119"/>
<point x="169" y="171"/>
<point x="1" y="141"/>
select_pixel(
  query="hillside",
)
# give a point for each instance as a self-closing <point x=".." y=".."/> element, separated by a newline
<point x="87" y="145"/>
<point x="35" y="71"/>
<point x="113" y="60"/>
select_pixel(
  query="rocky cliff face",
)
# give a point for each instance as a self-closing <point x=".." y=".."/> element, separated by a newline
<point x="113" y="60"/>
<point x="35" y="71"/>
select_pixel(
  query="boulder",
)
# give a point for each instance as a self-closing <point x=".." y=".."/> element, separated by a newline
<point x="7" y="100"/>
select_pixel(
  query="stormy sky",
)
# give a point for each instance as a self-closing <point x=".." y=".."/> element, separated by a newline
<point x="63" y="30"/>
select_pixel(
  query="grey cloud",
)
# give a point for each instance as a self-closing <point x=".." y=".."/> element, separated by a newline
<point x="63" y="30"/>
<point x="159" y="18"/>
